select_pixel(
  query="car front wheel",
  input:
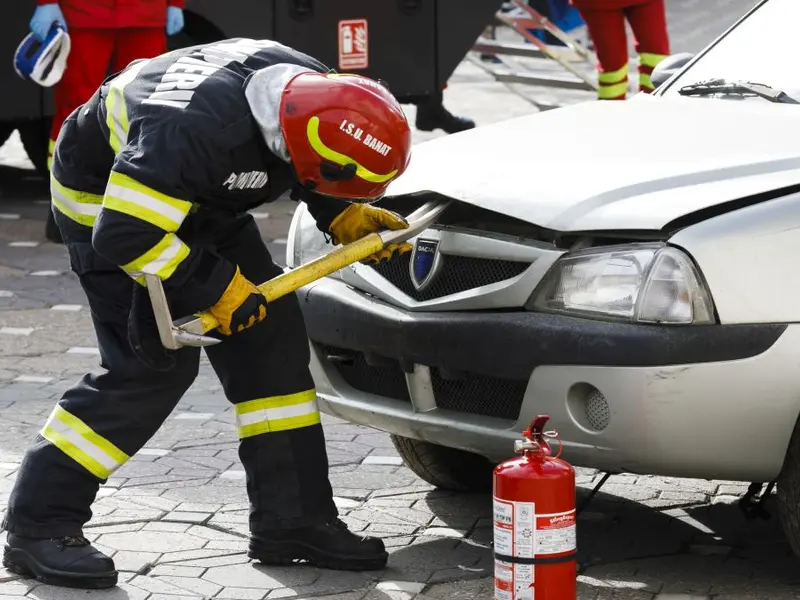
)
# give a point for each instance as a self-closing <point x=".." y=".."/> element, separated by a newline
<point x="788" y="494"/>
<point x="446" y="468"/>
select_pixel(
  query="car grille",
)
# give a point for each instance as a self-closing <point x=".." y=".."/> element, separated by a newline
<point x="458" y="274"/>
<point x="473" y="394"/>
<point x="479" y="395"/>
<point x="389" y="381"/>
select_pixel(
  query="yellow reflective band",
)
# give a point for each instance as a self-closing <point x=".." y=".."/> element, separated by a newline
<point x="77" y="440"/>
<point x="81" y="207"/>
<point x="49" y="162"/>
<point x="128" y="196"/>
<point x="277" y="413"/>
<point x="612" y="91"/>
<point x="644" y="81"/>
<point x="312" y="131"/>
<point x="650" y="60"/>
<point x="613" y="76"/>
<point x="161" y="260"/>
<point x="116" y="110"/>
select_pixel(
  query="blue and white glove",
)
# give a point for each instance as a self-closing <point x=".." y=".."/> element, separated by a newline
<point x="174" y="20"/>
<point x="43" y="18"/>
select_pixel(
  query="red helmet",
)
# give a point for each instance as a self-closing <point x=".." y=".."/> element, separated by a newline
<point x="346" y="134"/>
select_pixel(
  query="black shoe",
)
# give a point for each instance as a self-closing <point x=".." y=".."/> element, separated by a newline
<point x="329" y="546"/>
<point x="66" y="561"/>
<point x="438" y="117"/>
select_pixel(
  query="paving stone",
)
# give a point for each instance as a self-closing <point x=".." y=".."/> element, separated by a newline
<point x="186" y="517"/>
<point x="152" y="541"/>
<point x="121" y="592"/>
<point x="240" y="593"/>
<point x="259" y="577"/>
<point x="169" y="527"/>
<point x="478" y="588"/>
<point x="125" y="560"/>
<point x="229" y="558"/>
<point x="193" y="583"/>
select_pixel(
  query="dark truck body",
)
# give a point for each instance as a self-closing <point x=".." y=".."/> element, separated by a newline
<point x="414" y="45"/>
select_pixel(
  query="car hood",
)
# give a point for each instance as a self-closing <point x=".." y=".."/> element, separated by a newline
<point x="638" y="164"/>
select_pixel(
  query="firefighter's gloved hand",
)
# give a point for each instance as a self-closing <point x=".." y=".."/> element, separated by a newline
<point x="174" y="20"/>
<point x="359" y="220"/>
<point x="240" y="307"/>
<point x="43" y="18"/>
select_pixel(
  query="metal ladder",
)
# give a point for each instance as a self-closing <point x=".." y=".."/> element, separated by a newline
<point x="577" y="70"/>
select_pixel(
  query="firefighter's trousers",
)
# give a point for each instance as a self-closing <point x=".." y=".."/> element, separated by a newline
<point x="606" y="27"/>
<point x="107" y="417"/>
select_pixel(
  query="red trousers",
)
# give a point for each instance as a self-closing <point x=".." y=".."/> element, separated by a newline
<point x="94" y="54"/>
<point x="607" y="29"/>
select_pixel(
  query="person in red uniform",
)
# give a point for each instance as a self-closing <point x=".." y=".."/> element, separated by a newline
<point x="106" y="36"/>
<point x="605" y="20"/>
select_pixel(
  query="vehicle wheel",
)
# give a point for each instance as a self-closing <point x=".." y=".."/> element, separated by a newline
<point x="35" y="136"/>
<point x="788" y="494"/>
<point x="446" y="468"/>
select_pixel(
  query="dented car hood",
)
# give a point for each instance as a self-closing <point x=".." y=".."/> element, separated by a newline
<point x="638" y="164"/>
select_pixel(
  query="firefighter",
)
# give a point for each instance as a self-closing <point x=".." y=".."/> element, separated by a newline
<point x="155" y="175"/>
<point x="605" y="20"/>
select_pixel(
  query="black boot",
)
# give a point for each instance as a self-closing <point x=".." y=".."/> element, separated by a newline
<point x="66" y="561"/>
<point x="329" y="546"/>
<point x="434" y="115"/>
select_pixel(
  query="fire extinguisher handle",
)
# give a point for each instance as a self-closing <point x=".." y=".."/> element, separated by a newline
<point x="537" y="427"/>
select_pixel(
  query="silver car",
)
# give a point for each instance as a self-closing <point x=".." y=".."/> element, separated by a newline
<point x="641" y="288"/>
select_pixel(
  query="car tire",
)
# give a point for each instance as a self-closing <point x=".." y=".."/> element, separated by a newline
<point x="446" y="468"/>
<point x="788" y="492"/>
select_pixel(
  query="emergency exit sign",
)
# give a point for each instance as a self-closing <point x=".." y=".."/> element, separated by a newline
<point x="353" y="44"/>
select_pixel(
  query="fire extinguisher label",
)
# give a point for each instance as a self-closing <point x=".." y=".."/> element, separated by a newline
<point x="555" y="533"/>
<point x="514" y="535"/>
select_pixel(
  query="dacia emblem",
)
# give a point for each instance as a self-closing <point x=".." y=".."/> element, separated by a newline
<point x="426" y="262"/>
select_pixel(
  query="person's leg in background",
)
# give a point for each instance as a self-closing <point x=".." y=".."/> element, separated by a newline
<point x="607" y="30"/>
<point x="135" y="43"/>
<point x="651" y="38"/>
<point x="87" y="64"/>
<point x="431" y="114"/>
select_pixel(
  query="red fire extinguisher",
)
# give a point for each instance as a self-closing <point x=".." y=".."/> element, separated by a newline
<point x="534" y="522"/>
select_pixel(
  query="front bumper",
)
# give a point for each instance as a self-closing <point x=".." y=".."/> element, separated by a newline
<point x="716" y="402"/>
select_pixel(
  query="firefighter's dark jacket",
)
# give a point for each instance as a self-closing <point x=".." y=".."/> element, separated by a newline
<point x="166" y="138"/>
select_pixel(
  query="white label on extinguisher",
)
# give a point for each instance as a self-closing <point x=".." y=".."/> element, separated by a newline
<point x="555" y="533"/>
<point x="514" y="535"/>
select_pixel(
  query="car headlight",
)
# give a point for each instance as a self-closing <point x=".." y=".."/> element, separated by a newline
<point x="643" y="283"/>
<point x="305" y="242"/>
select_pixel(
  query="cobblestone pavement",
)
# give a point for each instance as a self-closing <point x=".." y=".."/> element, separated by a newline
<point x="175" y="517"/>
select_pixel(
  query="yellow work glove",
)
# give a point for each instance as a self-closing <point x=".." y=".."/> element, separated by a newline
<point x="359" y="220"/>
<point x="240" y="307"/>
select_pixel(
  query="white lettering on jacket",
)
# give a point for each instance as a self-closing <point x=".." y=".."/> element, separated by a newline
<point x="179" y="81"/>
<point x="251" y="180"/>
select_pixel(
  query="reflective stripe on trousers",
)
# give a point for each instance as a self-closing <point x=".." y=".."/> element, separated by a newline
<point x="78" y="441"/>
<point x="277" y="413"/>
<point x="613" y="85"/>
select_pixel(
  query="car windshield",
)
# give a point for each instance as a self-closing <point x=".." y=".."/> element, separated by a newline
<point x="761" y="49"/>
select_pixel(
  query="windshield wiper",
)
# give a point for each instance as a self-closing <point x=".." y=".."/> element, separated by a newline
<point x="727" y="86"/>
